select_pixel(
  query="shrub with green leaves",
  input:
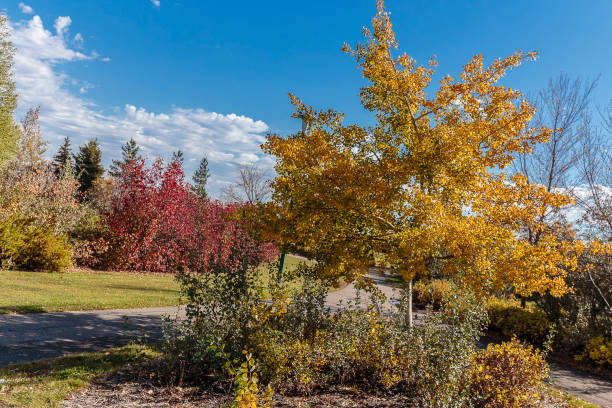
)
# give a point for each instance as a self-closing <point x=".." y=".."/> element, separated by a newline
<point x="298" y="344"/>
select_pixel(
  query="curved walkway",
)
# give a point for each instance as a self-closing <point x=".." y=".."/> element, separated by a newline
<point x="31" y="337"/>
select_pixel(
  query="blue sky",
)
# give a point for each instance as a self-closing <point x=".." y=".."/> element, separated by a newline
<point x="211" y="78"/>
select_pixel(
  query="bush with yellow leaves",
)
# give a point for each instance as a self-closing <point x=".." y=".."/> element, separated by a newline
<point x="507" y="375"/>
<point x="507" y="317"/>
<point x="599" y="351"/>
<point x="432" y="292"/>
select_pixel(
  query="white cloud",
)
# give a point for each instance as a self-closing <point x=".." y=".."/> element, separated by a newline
<point x="25" y="8"/>
<point x="228" y="140"/>
<point x="156" y="3"/>
<point x="78" y="40"/>
<point x="61" y="25"/>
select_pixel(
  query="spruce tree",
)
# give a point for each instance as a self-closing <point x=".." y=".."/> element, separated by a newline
<point x="9" y="130"/>
<point x="62" y="161"/>
<point x="178" y="155"/>
<point x="88" y="165"/>
<point x="129" y="152"/>
<point x="200" y="178"/>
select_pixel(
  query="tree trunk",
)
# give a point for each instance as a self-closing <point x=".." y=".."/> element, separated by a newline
<point x="410" y="303"/>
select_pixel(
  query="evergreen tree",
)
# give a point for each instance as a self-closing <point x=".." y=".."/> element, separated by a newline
<point x="178" y="155"/>
<point x="62" y="161"/>
<point x="129" y="152"/>
<point x="88" y="165"/>
<point x="200" y="177"/>
<point x="9" y="130"/>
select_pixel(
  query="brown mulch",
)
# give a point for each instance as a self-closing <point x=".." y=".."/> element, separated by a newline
<point x="141" y="387"/>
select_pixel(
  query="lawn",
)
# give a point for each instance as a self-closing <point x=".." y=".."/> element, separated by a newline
<point x="45" y="383"/>
<point x="37" y="292"/>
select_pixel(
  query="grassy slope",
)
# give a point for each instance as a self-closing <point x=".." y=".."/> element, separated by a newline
<point x="36" y="292"/>
<point x="33" y="292"/>
<point x="45" y="383"/>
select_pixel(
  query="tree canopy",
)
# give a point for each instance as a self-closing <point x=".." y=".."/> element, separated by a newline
<point x="9" y="130"/>
<point x="427" y="183"/>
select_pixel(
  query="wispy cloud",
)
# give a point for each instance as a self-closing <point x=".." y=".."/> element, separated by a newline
<point x="25" y="8"/>
<point x="228" y="140"/>
<point x="78" y="40"/>
<point x="156" y="3"/>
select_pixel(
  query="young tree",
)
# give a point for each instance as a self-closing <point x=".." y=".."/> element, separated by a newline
<point x="88" y="165"/>
<point x="9" y="131"/>
<point x="200" y="178"/>
<point x="31" y="145"/>
<point x="129" y="152"/>
<point x="62" y="161"/>
<point x="426" y="183"/>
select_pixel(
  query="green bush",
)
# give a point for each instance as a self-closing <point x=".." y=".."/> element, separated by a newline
<point x="510" y="319"/>
<point x="507" y="375"/>
<point x="299" y="345"/>
<point x="30" y="247"/>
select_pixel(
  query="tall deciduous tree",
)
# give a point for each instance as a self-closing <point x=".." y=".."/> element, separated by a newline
<point x="596" y="172"/>
<point x="427" y="183"/>
<point x="200" y="178"/>
<point x="62" y="161"/>
<point x="253" y="187"/>
<point x="129" y="152"/>
<point x="88" y="165"/>
<point x="9" y="131"/>
<point x="31" y="145"/>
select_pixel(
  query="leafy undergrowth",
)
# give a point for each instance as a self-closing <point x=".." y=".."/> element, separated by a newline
<point x="47" y="382"/>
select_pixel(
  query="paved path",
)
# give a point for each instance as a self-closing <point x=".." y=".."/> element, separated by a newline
<point x="31" y="337"/>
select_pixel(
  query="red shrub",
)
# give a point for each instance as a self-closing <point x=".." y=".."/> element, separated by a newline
<point x="157" y="224"/>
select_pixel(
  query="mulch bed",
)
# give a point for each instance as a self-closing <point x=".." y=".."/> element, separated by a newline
<point x="141" y="387"/>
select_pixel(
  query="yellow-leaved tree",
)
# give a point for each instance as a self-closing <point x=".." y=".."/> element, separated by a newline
<point x="427" y="182"/>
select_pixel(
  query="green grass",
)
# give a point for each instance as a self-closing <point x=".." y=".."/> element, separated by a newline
<point x="38" y="292"/>
<point x="35" y="292"/>
<point x="45" y="383"/>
